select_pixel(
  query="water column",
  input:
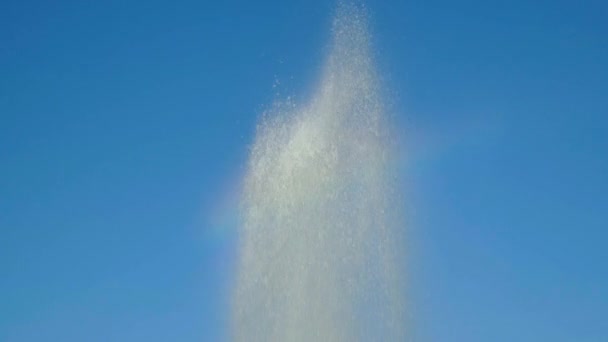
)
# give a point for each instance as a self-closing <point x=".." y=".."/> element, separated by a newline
<point x="319" y="256"/>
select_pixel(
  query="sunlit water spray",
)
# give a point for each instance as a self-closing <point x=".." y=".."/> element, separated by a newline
<point x="318" y="257"/>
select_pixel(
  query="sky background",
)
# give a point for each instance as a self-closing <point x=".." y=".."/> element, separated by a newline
<point x="124" y="129"/>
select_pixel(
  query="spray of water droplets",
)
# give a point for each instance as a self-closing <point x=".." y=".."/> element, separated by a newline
<point x="319" y="239"/>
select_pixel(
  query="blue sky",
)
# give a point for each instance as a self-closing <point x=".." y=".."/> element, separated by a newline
<point x="124" y="129"/>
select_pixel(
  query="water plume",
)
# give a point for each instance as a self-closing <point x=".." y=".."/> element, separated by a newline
<point x="319" y="237"/>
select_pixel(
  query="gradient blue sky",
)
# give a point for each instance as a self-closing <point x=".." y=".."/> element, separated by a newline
<point x="124" y="129"/>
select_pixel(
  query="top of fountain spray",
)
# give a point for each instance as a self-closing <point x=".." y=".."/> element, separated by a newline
<point x="349" y="82"/>
<point x="350" y="31"/>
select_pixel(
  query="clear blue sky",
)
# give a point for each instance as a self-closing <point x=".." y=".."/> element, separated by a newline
<point x="124" y="127"/>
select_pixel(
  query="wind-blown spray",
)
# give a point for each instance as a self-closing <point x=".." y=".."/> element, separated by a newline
<point x="318" y="258"/>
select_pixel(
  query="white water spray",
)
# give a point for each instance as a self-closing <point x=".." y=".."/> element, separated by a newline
<point x="318" y="254"/>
